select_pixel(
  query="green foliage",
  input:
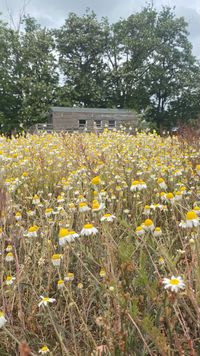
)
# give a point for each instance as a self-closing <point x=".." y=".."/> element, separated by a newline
<point x="144" y="63"/>
<point x="125" y="251"/>
<point x="27" y="75"/>
<point x="81" y="44"/>
<point x="155" y="334"/>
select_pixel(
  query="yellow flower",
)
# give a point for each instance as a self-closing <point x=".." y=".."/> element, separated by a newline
<point x="56" y="259"/>
<point x="18" y="216"/>
<point x="69" y="277"/>
<point x="157" y="231"/>
<point x="148" y="225"/>
<point x="96" y="180"/>
<point x="102" y="272"/>
<point x="63" y="233"/>
<point x="9" y="280"/>
<point x="88" y="229"/>
<point x="44" y="350"/>
<point x="139" y="231"/>
<point x="45" y="301"/>
<point x="9" y="248"/>
<point x="9" y="257"/>
<point x="32" y="231"/>
<point x="80" y="286"/>
<point x="60" y="284"/>
<point x="2" y="319"/>
<point x="170" y="197"/>
<point x="174" y="284"/>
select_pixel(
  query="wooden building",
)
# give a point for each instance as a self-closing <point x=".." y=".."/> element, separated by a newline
<point x="87" y="119"/>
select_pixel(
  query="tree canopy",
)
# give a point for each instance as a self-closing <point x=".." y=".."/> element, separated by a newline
<point x="144" y="63"/>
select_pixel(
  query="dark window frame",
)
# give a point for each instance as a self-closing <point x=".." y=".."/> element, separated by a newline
<point x="98" y="125"/>
<point x="82" y="125"/>
<point x="113" y="124"/>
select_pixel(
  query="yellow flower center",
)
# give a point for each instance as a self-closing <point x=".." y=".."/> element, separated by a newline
<point x="102" y="273"/>
<point x="107" y="215"/>
<point x="95" y="206"/>
<point x="147" y="207"/>
<point x="160" y="180"/>
<point x="88" y="226"/>
<point x="56" y="257"/>
<point x="60" y="281"/>
<point x="48" y="210"/>
<point x="96" y="180"/>
<point x="63" y="232"/>
<point x="135" y="182"/>
<point x="148" y="222"/>
<point x="44" y="348"/>
<point x="33" y="228"/>
<point x="70" y="275"/>
<point x="45" y="299"/>
<point x="174" y="281"/>
<point x="191" y="215"/>
<point x="169" y="195"/>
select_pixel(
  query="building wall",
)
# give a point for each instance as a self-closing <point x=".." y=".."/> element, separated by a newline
<point x="70" y="120"/>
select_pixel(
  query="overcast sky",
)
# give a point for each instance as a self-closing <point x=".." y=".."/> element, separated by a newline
<point x="53" y="12"/>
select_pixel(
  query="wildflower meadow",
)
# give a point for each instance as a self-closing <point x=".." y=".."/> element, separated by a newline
<point x="99" y="244"/>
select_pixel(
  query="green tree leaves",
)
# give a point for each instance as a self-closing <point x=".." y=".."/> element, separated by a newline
<point x="144" y="62"/>
<point x="28" y="76"/>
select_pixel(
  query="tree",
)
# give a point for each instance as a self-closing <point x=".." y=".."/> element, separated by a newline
<point x="9" y="103"/>
<point x="172" y="71"/>
<point x="31" y="76"/>
<point x="81" y="47"/>
<point x="132" y="43"/>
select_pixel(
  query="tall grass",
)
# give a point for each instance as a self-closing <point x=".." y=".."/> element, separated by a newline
<point x="115" y="302"/>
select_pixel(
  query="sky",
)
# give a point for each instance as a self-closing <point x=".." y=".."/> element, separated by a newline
<point x="52" y="13"/>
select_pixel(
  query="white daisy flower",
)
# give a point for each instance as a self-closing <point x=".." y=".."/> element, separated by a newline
<point x="56" y="260"/>
<point x="162" y="183"/>
<point x="9" y="280"/>
<point x="69" y="277"/>
<point x="45" y="301"/>
<point x="83" y="207"/>
<point x="60" y="284"/>
<point x="88" y="229"/>
<point x="44" y="350"/>
<point x="148" y="225"/>
<point x="157" y="232"/>
<point x="71" y="236"/>
<point x="108" y="217"/>
<point x="139" y="231"/>
<point x="173" y="284"/>
<point x="3" y="320"/>
<point x="9" y="257"/>
<point x="192" y="220"/>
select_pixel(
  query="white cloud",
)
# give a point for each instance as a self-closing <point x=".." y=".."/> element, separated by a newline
<point x="52" y="13"/>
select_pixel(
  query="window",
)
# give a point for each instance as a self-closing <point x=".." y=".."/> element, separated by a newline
<point x="97" y="123"/>
<point x="111" y="123"/>
<point x="82" y="123"/>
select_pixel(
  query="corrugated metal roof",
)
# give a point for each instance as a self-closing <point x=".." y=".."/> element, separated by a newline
<point x="91" y="110"/>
